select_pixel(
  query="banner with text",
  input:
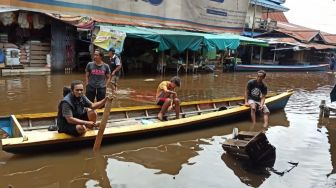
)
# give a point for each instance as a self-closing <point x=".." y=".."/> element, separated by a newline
<point x="209" y="15"/>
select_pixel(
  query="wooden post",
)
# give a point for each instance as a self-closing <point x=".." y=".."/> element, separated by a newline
<point x="260" y="55"/>
<point x="194" y="61"/>
<point x="187" y="61"/>
<point x="222" y="59"/>
<point x="252" y="34"/>
<point x="274" y="53"/>
<point x="108" y="104"/>
<point x="322" y="106"/>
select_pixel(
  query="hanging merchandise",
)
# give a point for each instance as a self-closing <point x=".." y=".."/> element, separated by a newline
<point x="38" y="21"/>
<point x="22" y="20"/>
<point x="7" y="18"/>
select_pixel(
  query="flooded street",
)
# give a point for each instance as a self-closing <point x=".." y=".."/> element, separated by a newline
<point x="305" y="145"/>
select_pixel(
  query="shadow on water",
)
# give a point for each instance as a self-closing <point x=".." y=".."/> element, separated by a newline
<point x="56" y="171"/>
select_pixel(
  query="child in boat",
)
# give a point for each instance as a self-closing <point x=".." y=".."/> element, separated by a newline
<point x="255" y="95"/>
<point x="166" y="97"/>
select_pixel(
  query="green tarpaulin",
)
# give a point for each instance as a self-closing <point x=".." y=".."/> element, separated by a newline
<point x="184" y="40"/>
<point x="249" y="41"/>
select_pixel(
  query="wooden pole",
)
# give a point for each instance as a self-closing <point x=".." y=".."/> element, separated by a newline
<point x="162" y="55"/>
<point x="108" y="104"/>
<point x="260" y="55"/>
<point x="274" y="53"/>
<point x="194" y="61"/>
<point x="187" y="61"/>
<point x="252" y="34"/>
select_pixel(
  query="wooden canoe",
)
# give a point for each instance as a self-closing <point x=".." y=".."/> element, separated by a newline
<point x="28" y="132"/>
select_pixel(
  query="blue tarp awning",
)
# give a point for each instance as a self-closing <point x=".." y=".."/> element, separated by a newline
<point x="249" y="34"/>
<point x="270" y="5"/>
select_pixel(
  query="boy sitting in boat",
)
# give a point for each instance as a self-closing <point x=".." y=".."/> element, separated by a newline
<point x="166" y="97"/>
<point x="255" y="95"/>
<point x="76" y="113"/>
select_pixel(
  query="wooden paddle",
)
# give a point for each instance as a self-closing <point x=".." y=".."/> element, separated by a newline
<point x="106" y="113"/>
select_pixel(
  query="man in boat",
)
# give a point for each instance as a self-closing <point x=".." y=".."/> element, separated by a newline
<point x="166" y="97"/>
<point x="255" y="95"/>
<point x="97" y="75"/>
<point x="76" y="113"/>
<point x="115" y="66"/>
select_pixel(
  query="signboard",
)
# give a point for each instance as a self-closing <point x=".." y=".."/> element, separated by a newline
<point x="207" y="15"/>
<point x="107" y="39"/>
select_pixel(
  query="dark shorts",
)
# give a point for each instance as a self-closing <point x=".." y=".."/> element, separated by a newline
<point x="70" y="129"/>
<point x="95" y="93"/>
<point x="161" y="101"/>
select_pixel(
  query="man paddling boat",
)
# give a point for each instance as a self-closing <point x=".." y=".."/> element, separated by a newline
<point x="76" y="113"/>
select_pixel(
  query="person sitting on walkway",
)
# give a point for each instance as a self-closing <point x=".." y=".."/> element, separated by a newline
<point x="255" y="95"/>
<point x="76" y="113"/>
<point x="166" y="97"/>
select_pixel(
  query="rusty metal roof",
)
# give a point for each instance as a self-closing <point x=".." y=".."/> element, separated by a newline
<point x="83" y="22"/>
<point x="277" y="16"/>
<point x="294" y="42"/>
<point x="318" y="46"/>
<point x="300" y="33"/>
<point x="329" y="38"/>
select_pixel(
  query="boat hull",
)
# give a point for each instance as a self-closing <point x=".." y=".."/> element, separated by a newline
<point x="281" y="68"/>
<point x="38" y="140"/>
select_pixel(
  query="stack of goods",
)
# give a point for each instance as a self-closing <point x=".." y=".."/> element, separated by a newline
<point x="3" y="37"/>
<point x="12" y="56"/>
<point x="38" y="53"/>
<point x="24" y="54"/>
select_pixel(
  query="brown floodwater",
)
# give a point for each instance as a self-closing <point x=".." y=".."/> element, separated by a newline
<point x="305" y="145"/>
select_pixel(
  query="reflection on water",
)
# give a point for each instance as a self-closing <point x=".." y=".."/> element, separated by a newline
<point x="168" y="159"/>
<point x="304" y="143"/>
<point x="250" y="175"/>
<point x="55" y="170"/>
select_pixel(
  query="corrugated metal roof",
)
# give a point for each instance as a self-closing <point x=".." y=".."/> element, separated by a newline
<point x="78" y="21"/>
<point x="282" y="40"/>
<point x="329" y="38"/>
<point x="293" y="42"/>
<point x="277" y="16"/>
<point x="298" y="32"/>
<point x="320" y="46"/>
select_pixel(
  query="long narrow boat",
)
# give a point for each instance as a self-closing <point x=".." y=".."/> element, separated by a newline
<point x="28" y="132"/>
<point x="281" y="68"/>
